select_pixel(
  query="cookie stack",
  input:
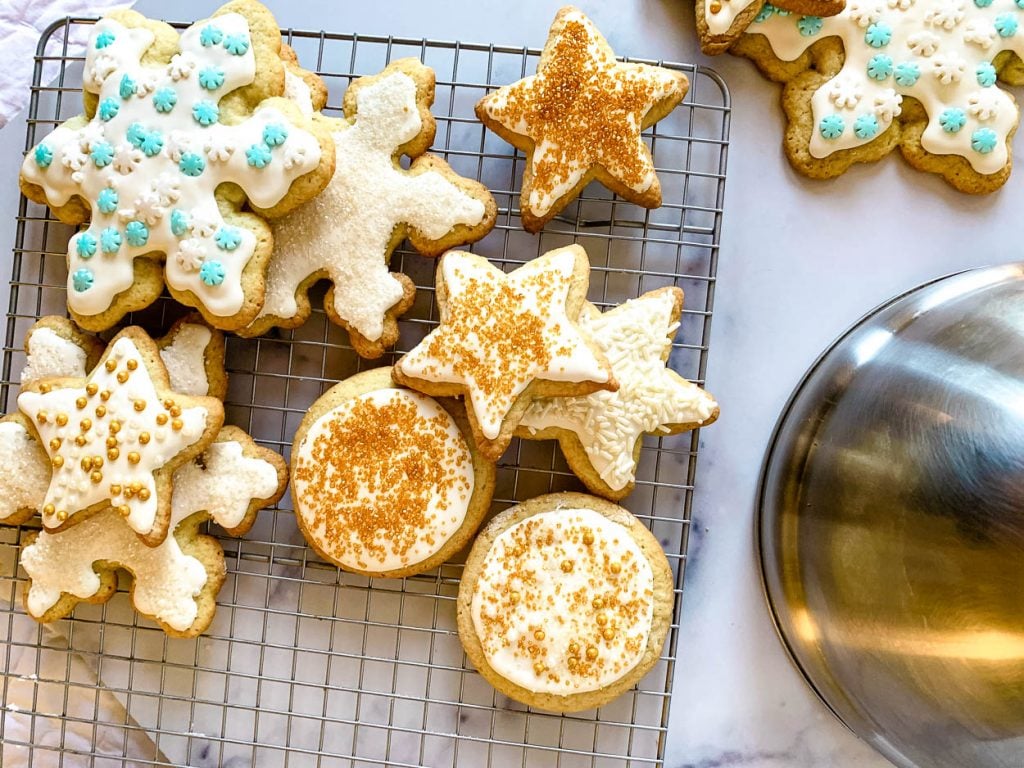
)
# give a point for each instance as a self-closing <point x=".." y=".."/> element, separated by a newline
<point x="205" y="164"/>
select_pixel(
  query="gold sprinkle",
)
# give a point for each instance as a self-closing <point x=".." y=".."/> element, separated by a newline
<point x="92" y="388"/>
<point x="45" y="388"/>
<point x="41" y="417"/>
<point x="55" y="444"/>
<point x="513" y="596"/>
<point x="136" y="486"/>
<point x="96" y="477"/>
<point x="574" y="648"/>
<point x="588" y="538"/>
<point x="125" y="510"/>
<point x="538" y="635"/>
<point x="567" y="565"/>
<point x="175" y="410"/>
<point x="602" y="619"/>
<point x="161" y="418"/>
<point x="143" y="438"/>
<point x="115" y="489"/>
<point x="48" y="510"/>
<point x="101" y="411"/>
<point x="133" y="457"/>
<point x="62" y="516"/>
<point x="105" y="395"/>
<point x="87" y="463"/>
<point x="111" y="442"/>
<point x="80" y="441"/>
<point x="129" y="492"/>
<point x="62" y="419"/>
<point x="81" y="402"/>
<point x="111" y="365"/>
<point x="168" y="403"/>
<point x="115" y="427"/>
<point x="177" y="424"/>
<point x="608" y="634"/>
<point x="599" y="602"/>
<point x="113" y="453"/>
<point x="715" y="6"/>
<point x="85" y="424"/>
<point x="97" y="461"/>
<point x="140" y="405"/>
<point x="144" y="494"/>
<point x="539" y="668"/>
<point x="132" y="364"/>
<point x="122" y="376"/>
<point x="57" y="461"/>
<point x="615" y="567"/>
<point x="591" y="652"/>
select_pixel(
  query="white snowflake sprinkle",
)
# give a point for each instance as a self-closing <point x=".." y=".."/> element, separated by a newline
<point x="182" y="65"/>
<point x="126" y="158"/>
<point x="887" y="105"/>
<point x="948" y="68"/>
<point x="191" y="254"/>
<point x="219" y="149"/>
<point x="923" y="43"/>
<point x="981" y="34"/>
<point x="946" y="14"/>
<point x="865" y="12"/>
<point x="984" y="104"/>
<point x="845" y="93"/>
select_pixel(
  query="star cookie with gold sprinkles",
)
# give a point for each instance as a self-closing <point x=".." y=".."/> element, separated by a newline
<point x="115" y="437"/>
<point x="505" y="339"/>
<point x="580" y="117"/>
<point x="601" y="433"/>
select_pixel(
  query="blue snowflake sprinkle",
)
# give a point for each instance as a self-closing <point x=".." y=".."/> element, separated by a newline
<point x="258" y="156"/>
<point x="274" y="134"/>
<point x="179" y="222"/>
<point x="983" y="3"/>
<point x="879" y="67"/>
<point x="228" y="238"/>
<point x="1006" y="24"/>
<point x="781" y="12"/>
<point x="127" y="89"/>
<point x="952" y="119"/>
<point x="765" y="13"/>
<point x="43" y="156"/>
<point x="102" y="154"/>
<point x="210" y="35"/>
<point x="104" y="38"/>
<point x="136" y="233"/>
<point x="109" y="109"/>
<point x="205" y="112"/>
<point x="984" y="140"/>
<point x="212" y="273"/>
<point x="831" y="126"/>
<point x="135" y="134"/>
<point x="236" y="44"/>
<point x="878" y="35"/>
<point x="211" y="78"/>
<point x="152" y="143"/>
<point x="191" y="164"/>
<point x="1020" y="4"/>
<point x="809" y="26"/>
<point x="986" y="74"/>
<point x="106" y="201"/>
<point x="907" y="73"/>
<point x="110" y="240"/>
<point x="865" y="126"/>
<point x="86" y="245"/>
<point x="165" y="99"/>
<point x="82" y="280"/>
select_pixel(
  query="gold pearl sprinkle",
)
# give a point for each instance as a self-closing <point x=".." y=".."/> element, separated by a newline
<point x="140" y="405"/>
<point x="132" y="364"/>
<point x="133" y="457"/>
<point x="62" y="516"/>
<point x="57" y="461"/>
<point x="122" y="376"/>
<point x="574" y="649"/>
<point x="599" y="602"/>
<point x="81" y="402"/>
<point x="111" y="365"/>
<point x="602" y="619"/>
<point x="80" y="441"/>
<point x="715" y="7"/>
<point x="45" y="388"/>
<point x="85" y="424"/>
<point x="136" y="486"/>
<point x="538" y="635"/>
<point x="177" y="424"/>
<point x="62" y="419"/>
<point x="567" y="566"/>
<point x="615" y="567"/>
<point x="115" y="427"/>
<point x="125" y="510"/>
<point x="608" y="634"/>
<point x="144" y="494"/>
<point x="111" y="442"/>
<point x="168" y="403"/>
<point x="588" y="538"/>
<point x="96" y="477"/>
<point x="48" y="510"/>
<point x="115" y="489"/>
<point x="105" y="395"/>
<point x="539" y="668"/>
<point x="175" y="410"/>
<point x="101" y="411"/>
<point x="92" y="388"/>
<point x="128" y="493"/>
<point x="161" y="418"/>
<point x="97" y="461"/>
<point x="41" y="417"/>
<point x="55" y="444"/>
<point x="143" y="438"/>
<point x="113" y="453"/>
<point x="513" y="596"/>
<point x="87" y="463"/>
<point x="591" y="652"/>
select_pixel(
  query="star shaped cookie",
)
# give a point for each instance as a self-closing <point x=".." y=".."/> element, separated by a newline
<point x="505" y="339"/>
<point x="579" y="118"/>
<point x="115" y="438"/>
<point x="601" y="433"/>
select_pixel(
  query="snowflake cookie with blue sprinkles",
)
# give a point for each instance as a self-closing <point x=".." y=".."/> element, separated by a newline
<point x="926" y="77"/>
<point x="141" y="168"/>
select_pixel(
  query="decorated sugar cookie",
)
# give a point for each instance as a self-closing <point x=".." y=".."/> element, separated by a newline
<point x="116" y="436"/>
<point x="348" y="232"/>
<point x="601" y="433"/>
<point x="579" y="118"/>
<point x="921" y="76"/>
<point x="721" y="22"/>
<point x="176" y="135"/>
<point x="176" y="581"/>
<point x="565" y="602"/>
<point x="505" y="339"/>
<point x="386" y="481"/>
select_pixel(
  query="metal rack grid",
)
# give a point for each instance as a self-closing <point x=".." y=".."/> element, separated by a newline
<point x="305" y="665"/>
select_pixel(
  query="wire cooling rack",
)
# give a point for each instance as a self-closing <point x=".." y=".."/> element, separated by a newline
<point x="305" y="665"/>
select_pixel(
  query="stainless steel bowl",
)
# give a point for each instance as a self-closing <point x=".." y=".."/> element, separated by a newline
<point x="891" y="524"/>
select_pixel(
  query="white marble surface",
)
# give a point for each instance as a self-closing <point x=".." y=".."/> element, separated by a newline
<point x="800" y="261"/>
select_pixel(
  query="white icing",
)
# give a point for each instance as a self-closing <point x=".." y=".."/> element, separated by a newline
<point x="635" y="337"/>
<point x="297" y="90"/>
<point x="540" y="575"/>
<point x="140" y="181"/>
<point x="721" y="20"/>
<point x="603" y="78"/>
<point x="345" y="231"/>
<point x="185" y="360"/>
<point x="24" y="471"/>
<point x="50" y="354"/>
<point x="395" y="544"/>
<point x="167" y="580"/>
<point x="70" y="489"/>
<point x="946" y="40"/>
<point x="571" y="359"/>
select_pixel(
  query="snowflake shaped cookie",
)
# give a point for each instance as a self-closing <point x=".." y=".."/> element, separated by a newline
<point x="348" y="232"/>
<point x="156" y="142"/>
<point x="601" y="433"/>
<point x="721" y="22"/>
<point x="927" y="73"/>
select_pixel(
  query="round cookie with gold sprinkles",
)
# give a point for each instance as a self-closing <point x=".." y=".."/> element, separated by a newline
<point x="385" y="481"/>
<point x="565" y="602"/>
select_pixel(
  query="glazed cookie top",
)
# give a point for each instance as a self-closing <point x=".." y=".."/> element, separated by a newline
<point x="151" y="158"/>
<point x="108" y="436"/>
<point x="383" y="480"/>
<point x="719" y="15"/>
<point x="564" y="603"/>
<point x="941" y="53"/>
<point x="636" y="337"/>
<point x="581" y="109"/>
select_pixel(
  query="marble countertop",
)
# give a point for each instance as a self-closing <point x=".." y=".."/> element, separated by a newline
<point x="800" y="261"/>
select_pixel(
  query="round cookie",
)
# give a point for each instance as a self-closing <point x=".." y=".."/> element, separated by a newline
<point x="565" y="602"/>
<point x="385" y="480"/>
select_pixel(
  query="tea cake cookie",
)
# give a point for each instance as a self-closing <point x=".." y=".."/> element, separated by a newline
<point x="505" y="339"/>
<point x="348" y="233"/>
<point x="921" y="76"/>
<point x="178" y="133"/>
<point x="721" y="22"/>
<point x="565" y="602"/>
<point x="116" y="436"/>
<point x="386" y="481"/>
<point x="579" y="118"/>
<point x="601" y="433"/>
